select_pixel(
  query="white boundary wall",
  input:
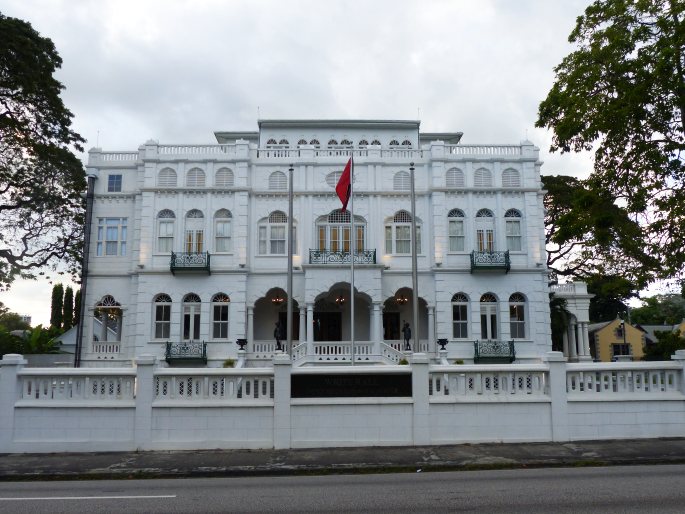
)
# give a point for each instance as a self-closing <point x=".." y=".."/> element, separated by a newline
<point x="149" y="407"/>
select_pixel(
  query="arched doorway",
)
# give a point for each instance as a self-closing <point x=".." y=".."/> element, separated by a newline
<point x="397" y="310"/>
<point x="332" y="315"/>
<point x="273" y="308"/>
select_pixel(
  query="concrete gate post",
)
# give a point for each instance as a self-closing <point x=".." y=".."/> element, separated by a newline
<point x="282" y="426"/>
<point x="9" y="394"/>
<point x="558" y="395"/>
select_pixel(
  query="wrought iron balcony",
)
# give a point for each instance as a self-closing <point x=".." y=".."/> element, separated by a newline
<point x="189" y="351"/>
<point x="330" y="257"/>
<point x="190" y="262"/>
<point x="490" y="261"/>
<point x="493" y="352"/>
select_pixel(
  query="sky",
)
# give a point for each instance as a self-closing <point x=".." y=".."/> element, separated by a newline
<point x="177" y="70"/>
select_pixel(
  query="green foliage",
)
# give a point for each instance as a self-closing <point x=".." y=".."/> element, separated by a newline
<point x="621" y="93"/>
<point x="229" y="363"/>
<point x="40" y="340"/>
<point x="12" y="321"/>
<point x="459" y="362"/>
<point x="56" y="306"/>
<point x="41" y="209"/>
<point x="403" y="362"/>
<point x="667" y="344"/>
<point x="611" y="295"/>
<point x="560" y="319"/>
<point x="587" y="233"/>
<point x="8" y="342"/>
<point x="68" y="309"/>
<point x="667" y="309"/>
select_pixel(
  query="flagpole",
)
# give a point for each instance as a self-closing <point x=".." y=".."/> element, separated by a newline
<point x="414" y="264"/>
<point x="352" y="255"/>
<point x="289" y="319"/>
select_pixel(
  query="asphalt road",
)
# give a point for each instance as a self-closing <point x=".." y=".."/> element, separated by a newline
<point x="641" y="489"/>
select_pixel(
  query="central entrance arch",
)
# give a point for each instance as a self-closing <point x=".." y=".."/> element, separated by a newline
<point x="332" y="315"/>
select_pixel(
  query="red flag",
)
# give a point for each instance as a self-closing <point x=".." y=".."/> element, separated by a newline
<point x="345" y="185"/>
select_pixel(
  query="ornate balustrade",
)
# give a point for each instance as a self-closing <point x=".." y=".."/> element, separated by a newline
<point x="110" y="385"/>
<point x="253" y="384"/>
<point x="330" y="257"/>
<point x="492" y="351"/>
<point x="489" y="261"/>
<point x="186" y="352"/>
<point x="190" y="262"/>
<point x="488" y="380"/>
<point x="483" y="149"/>
<point x="649" y="378"/>
<point x="228" y="149"/>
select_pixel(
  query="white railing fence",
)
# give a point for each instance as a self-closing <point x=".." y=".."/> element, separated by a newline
<point x="154" y="407"/>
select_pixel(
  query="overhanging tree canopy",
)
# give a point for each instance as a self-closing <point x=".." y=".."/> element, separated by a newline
<point x="40" y="178"/>
<point x="622" y="94"/>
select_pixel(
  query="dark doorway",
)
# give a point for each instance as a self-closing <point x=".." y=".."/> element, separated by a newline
<point x="391" y="325"/>
<point x="327" y="326"/>
<point x="282" y="319"/>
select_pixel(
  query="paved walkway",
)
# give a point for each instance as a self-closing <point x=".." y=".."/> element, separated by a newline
<point x="338" y="460"/>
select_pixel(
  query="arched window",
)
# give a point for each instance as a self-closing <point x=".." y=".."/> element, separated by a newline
<point x="454" y="178"/>
<point x="334" y="176"/>
<point x="334" y="232"/>
<point x="315" y="142"/>
<point x="162" y="316"/>
<point x="271" y="142"/>
<point x="346" y="142"/>
<point x="284" y="142"/>
<point x="398" y="234"/>
<point x="517" y="316"/>
<point x="166" y="178"/>
<point x="482" y="178"/>
<point x="485" y="231"/>
<point x="302" y="142"/>
<point x="273" y="234"/>
<point x="332" y="142"/>
<point x="191" y="317"/>
<point x="220" y="303"/>
<point x="195" y="230"/>
<point x="165" y="231"/>
<point x="278" y="181"/>
<point x="107" y="320"/>
<point x="401" y="181"/>
<point x="511" y="178"/>
<point x="376" y="142"/>
<point x="363" y="143"/>
<point x="195" y="178"/>
<point x="455" y="220"/>
<point x="512" y="221"/>
<point x="488" y="316"/>
<point x="394" y="142"/>
<point x="406" y="143"/>
<point x="222" y="231"/>
<point x="224" y="178"/>
<point x="460" y="316"/>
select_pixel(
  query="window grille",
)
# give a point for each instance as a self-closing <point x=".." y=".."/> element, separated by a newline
<point x="195" y="178"/>
<point x="278" y="181"/>
<point x="511" y="178"/>
<point x="166" y="178"/>
<point x="166" y="213"/>
<point x="195" y="214"/>
<point x="224" y="178"/>
<point x="278" y="217"/>
<point x="401" y="181"/>
<point x="454" y="178"/>
<point x="482" y="178"/>
<point x="485" y="213"/>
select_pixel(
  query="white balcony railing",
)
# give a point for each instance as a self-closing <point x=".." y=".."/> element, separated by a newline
<point x="489" y="380"/>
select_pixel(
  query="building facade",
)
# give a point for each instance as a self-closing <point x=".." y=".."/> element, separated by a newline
<point x="188" y="247"/>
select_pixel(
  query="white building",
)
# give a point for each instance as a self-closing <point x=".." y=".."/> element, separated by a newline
<point x="188" y="245"/>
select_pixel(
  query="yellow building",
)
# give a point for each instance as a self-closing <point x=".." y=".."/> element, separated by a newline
<point x="616" y="340"/>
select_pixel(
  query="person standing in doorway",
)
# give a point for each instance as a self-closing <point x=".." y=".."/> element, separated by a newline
<point x="406" y="332"/>
<point x="278" y="335"/>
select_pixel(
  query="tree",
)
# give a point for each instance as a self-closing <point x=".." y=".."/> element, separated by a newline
<point x="41" y="179"/>
<point x="57" y="306"/>
<point x="68" y="309"/>
<point x="666" y="346"/>
<point x="10" y="321"/>
<point x="667" y="309"/>
<point x="621" y="93"/>
<point x="587" y="233"/>
<point x="612" y="293"/>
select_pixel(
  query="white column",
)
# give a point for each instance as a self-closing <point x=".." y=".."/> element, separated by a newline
<point x="586" y="339"/>
<point x="564" y="338"/>
<point x="303" y="324"/>
<point x="572" y="340"/>
<point x="431" y="329"/>
<point x="376" y="327"/>
<point x="250" y="325"/>
<point x="583" y="342"/>
<point x="310" y="329"/>
<point x="10" y="365"/>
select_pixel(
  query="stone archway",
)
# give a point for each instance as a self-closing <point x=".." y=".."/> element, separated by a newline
<point x="272" y="308"/>
<point x="397" y="310"/>
<point x="332" y="315"/>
